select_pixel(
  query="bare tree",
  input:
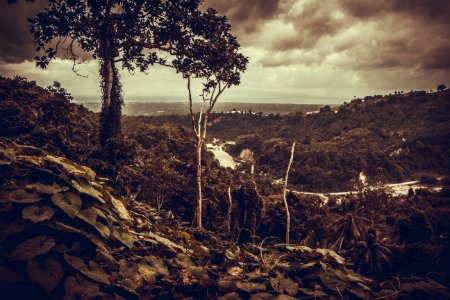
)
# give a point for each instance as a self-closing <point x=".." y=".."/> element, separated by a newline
<point x="199" y="125"/>
<point x="230" y="209"/>
<point x="286" y="205"/>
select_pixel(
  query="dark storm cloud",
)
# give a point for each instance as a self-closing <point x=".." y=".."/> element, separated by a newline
<point x="433" y="10"/>
<point x="247" y="15"/>
<point x="368" y="34"/>
<point x="15" y="40"/>
<point x="438" y="58"/>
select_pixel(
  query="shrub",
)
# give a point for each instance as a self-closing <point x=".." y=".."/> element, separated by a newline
<point x="414" y="228"/>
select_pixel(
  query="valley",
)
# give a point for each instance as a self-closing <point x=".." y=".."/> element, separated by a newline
<point x="395" y="189"/>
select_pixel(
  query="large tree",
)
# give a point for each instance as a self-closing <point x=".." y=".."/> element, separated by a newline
<point x="69" y="28"/>
<point x="132" y="33"/>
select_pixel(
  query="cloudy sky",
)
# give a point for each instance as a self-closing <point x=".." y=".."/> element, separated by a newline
<point x="300" y="51"/>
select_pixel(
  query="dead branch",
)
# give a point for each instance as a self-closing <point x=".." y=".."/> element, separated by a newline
<point x="286" y="206"/>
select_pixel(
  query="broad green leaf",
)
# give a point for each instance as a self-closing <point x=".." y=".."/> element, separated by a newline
<point x="46" y="272"/>
<point x="19" y="196"/>
<point x="81" y="288"/>
<point x="157" y="264"/>
<point x="37" y="214"/>
<point x="166" y="242"/>
<point x="120" y="209"/>
<point x="125" y="238"/>
<point x="46" y="189"/>
<point x="33" y="247"/>
<point x="89" y="216"/>
<point x="69" y="203"/>
<point x="70" y="167"/>
<point x="147" y="273"/>
<point x="92" y="270"/>
<point x="251" y="287"/>
<point x="84" y="187"/>
<point x="284" y="285"/>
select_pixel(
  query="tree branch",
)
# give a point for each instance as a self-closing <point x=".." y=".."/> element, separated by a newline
<point x="190" y="105"/>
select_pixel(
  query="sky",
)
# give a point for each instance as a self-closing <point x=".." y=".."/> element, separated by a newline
<point x="300" y="51"/>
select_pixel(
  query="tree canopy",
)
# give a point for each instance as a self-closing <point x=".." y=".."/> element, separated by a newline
<point x="138" y="34"/>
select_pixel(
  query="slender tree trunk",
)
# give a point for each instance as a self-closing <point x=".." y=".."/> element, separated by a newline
<point x="286" y="206"/>
<point x="202" y="123"/>
<point x="230" y="208"/>
<point x="199" y="182"/>
<point x="199" y="126"/>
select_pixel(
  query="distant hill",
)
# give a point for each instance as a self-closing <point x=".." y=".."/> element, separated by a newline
<point x="389" y="138"/>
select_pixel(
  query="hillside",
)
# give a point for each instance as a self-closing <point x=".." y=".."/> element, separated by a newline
<point x="77" y="222"/>
<point x="391" y="139"/>
<point x="65" y="236"/>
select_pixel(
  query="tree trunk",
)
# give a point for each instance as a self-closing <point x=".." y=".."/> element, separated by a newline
<point x="201" y="137"/>
<point x="199" y="181"/>
<point x="111" y="89"/>
<point x="230" y="209"/>
<point x="286" y="206"/>
<point x="108" y="74"/>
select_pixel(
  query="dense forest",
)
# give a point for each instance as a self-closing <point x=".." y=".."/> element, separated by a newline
<point x="389" y="138"/>
<point x="87" y="222"/>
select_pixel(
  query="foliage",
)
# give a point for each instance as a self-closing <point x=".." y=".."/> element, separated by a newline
<point x="246" y="212"/>
<point x="414" y="228"/>
<point x="371" y="257"/>
<point x="73" y="238"/>
<point x="135" y="33"/>
<point x="349" y="227"/>
<point x="58" y="89"/>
